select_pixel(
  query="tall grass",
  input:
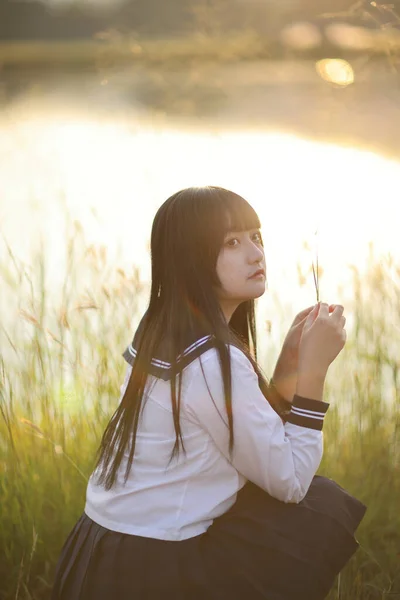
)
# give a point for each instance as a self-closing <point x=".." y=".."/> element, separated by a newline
<point x="61" y="370"/>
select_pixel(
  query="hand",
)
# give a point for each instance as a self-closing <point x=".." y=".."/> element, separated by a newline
<point x="322" y="339"/>
<point x="286" y="369"/>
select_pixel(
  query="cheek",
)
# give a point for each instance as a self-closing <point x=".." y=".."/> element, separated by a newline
<point x="228" y="270"/>
<point x="221" y="269"/>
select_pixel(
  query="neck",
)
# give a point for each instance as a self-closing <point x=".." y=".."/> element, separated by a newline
<point x="228" y="308"/>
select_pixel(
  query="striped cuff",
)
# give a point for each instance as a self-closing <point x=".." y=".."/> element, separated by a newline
<point x="307" y="412"/>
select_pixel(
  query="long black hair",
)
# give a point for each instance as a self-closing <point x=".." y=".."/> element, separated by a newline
<point x="187" y="235"/>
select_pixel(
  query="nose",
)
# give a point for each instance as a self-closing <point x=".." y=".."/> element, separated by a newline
<point x="256" y="253"/>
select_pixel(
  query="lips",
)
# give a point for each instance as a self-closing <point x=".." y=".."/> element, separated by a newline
<point x="259" y="272"/>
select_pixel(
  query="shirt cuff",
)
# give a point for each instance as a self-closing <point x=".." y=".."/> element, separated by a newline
<point x="307" y="412"/>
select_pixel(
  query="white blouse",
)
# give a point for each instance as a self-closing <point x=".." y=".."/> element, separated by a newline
<point x="179" y="500"/>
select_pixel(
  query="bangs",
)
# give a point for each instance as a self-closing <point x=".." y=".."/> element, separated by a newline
<point x="200" y="218"/>
<point x="239" y="215"/>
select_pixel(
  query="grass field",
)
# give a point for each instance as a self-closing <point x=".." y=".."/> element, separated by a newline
<point x="60" y="383"/>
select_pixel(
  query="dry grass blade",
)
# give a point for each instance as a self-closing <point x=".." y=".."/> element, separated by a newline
<point x="55" y="338"/>
<point x="316" y="281"/>
<point x="32" y="425"/>
<point x="316" y="271"/>
<point x="9" y="339"/>
<point x="63" y="318"/>
<point x="25" y="315"/>
<point x="87" y="306"/>
<point x="34" y="543"/>
<point x="19" y="577"/>
<point x="58" y="449"/>
<point x="353" y="10"/>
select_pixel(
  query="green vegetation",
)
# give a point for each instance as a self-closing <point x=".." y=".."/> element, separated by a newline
<point x="61" y="370"/>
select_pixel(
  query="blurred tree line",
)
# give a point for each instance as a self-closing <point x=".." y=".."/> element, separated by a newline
<point x="83" y="19"/>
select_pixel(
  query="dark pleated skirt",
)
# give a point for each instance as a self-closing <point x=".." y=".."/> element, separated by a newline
<point x="260" y="548"/>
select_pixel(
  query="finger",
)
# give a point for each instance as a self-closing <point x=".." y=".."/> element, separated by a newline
<point x="303" y="313"/>
<point x="337" y="312"/>
<point x="299" y="326"/>
<point x="312" y="315"/>
<point x="323" y="310"/>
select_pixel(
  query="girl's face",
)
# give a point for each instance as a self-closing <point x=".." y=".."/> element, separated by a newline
<point x="240" y="257"/>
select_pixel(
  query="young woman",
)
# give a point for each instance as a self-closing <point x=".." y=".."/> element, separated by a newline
<point x="204" y="485"/>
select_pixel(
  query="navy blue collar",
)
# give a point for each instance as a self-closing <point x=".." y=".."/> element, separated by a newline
<point x="162" y="369"/>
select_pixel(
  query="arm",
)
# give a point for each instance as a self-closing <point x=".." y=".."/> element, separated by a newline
<point x="280" y="458"/>
<point x="307" y="385"/>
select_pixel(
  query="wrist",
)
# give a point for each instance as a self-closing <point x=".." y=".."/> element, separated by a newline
<point x="312" y="372"/>
<point x="311" y="385"/>
<point x="285" y="383"/>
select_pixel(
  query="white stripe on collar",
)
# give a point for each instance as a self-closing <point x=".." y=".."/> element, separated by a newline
<point x="166" y="365"/>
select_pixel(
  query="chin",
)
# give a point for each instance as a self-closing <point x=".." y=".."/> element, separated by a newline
<point x="257" y="293"/>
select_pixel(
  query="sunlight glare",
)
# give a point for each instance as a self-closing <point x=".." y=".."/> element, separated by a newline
<point x="335" y="70"/>
<point x="113" y="179"/>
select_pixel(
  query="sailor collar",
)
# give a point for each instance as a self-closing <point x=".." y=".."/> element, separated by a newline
<point x="162" y="369"/>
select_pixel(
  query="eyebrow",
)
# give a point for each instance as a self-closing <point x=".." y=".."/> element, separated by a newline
<point x="236" y="231"/>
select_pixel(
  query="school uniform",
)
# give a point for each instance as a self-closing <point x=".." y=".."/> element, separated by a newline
<point x="203" y="526"/>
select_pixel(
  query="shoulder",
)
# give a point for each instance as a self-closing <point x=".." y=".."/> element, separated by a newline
<point x="202" y="354"/>
<point x="163" y="369"/>
<point x="209" y="362"/>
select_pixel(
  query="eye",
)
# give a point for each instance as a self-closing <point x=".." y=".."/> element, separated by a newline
<point x="258" y="237"/>
<point x="231" y="242"/>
